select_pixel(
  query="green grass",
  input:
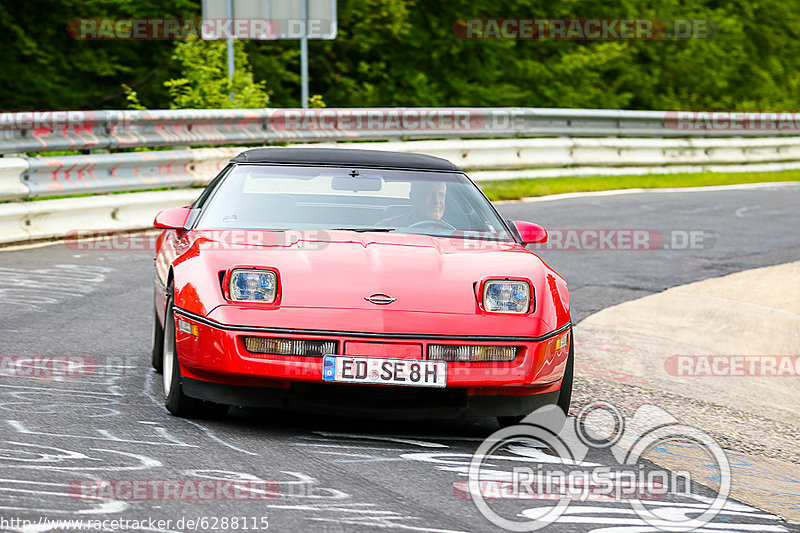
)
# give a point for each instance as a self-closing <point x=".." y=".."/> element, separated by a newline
<point x="522" y="188"/>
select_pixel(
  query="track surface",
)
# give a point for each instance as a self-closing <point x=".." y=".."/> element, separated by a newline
<point x="334" y="474"/>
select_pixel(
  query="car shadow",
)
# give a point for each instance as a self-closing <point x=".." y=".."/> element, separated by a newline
<point x="280" y="420"/>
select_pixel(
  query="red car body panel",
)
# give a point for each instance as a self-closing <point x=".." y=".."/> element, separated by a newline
<point x="324" y="278"/>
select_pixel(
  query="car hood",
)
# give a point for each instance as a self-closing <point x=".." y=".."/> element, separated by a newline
<point x="340" y="269"/>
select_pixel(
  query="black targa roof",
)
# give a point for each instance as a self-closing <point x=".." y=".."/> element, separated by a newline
<point x="342" y="157"/>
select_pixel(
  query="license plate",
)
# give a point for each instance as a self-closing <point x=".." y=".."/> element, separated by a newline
<point x="377" y="370"/>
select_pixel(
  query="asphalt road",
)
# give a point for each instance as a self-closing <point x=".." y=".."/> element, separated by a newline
<point x="337" y="474"/>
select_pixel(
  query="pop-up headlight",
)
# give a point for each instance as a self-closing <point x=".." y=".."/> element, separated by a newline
<point x="253" y="286"/>
<point x="504" y="296"/>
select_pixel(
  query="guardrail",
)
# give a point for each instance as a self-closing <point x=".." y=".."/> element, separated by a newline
<point x="527" y="143"/>
<point x="82" y="174"/>
<point x="489" y="159"/>
<point x="39" y="131"/>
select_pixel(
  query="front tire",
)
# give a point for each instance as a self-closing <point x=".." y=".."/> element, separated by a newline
<point x="157" y="359"/>
<point x="175" y="400"/>
<point x="564" y="395"/>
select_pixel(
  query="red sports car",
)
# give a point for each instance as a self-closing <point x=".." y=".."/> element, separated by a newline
<point x="361" y="281"/>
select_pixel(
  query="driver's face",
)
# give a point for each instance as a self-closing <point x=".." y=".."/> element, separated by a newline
<point x="429" y="200"/>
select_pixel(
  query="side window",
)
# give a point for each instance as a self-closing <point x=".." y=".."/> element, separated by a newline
<point x="201" y="200"/>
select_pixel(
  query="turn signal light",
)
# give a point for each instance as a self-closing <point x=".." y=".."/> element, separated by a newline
<point x="300" y="347"/>
<point x="484" y="354"/>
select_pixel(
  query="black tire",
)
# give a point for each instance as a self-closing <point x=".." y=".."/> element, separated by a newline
<point x="175" y="400"/>
<point x="565" y="395"/>
<point x="158" y="343"/>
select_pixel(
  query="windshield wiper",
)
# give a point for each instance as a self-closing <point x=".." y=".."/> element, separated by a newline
<point x="363" y="230"/>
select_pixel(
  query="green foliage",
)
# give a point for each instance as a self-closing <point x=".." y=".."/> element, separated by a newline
<point x="315" y="101"/>
<point x="132" y="97"/>
<point x="205" y="84"/>
<point x="405" y="53"/>
<point x="46" y="68"/>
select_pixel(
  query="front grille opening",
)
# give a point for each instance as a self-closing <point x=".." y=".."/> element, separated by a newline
<point x="298" y="347"/>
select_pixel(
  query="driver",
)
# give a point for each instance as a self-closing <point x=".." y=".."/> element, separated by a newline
<point x="427" y="205"/>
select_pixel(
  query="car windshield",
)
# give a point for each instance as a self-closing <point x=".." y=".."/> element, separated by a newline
<point x="440" y="204"/>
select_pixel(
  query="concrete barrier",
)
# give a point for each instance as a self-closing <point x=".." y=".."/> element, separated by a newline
<point x="50" y="219"/>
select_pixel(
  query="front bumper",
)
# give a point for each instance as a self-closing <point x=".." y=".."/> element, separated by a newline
<point x="369" y="400"/>
<point x="216" y="366"/>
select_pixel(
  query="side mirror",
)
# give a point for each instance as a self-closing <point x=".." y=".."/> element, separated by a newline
<point x="172" y="218"/>
<point x="530" y="233"/>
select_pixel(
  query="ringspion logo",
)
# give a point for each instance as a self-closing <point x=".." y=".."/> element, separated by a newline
<point x="562" y="476"/>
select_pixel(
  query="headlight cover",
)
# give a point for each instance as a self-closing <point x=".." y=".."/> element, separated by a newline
<point x="253" y="285"/>
<point x="506" y="296"/>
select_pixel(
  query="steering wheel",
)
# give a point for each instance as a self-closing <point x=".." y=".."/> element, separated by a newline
<point x="432" y="222"/>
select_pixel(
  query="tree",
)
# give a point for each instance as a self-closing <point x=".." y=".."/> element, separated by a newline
<point x="204" y="83"/>
<point x="405" y="53"/>
<point x="44" y="67"/>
